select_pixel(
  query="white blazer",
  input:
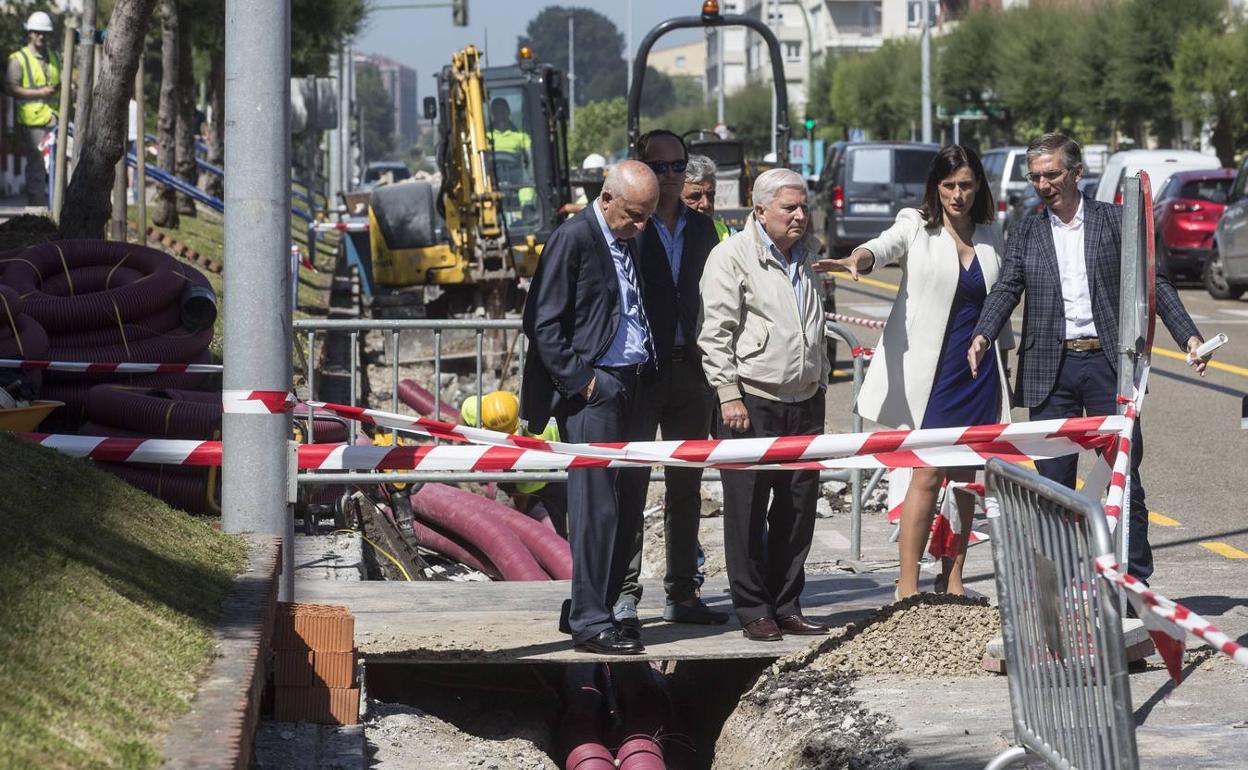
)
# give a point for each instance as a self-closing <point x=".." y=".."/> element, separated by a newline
<point x="900" y="377"/>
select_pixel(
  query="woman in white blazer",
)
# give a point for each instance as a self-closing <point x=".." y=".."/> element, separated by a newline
<point x="950" y="254"/>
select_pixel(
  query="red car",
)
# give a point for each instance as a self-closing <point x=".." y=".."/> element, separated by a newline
<point x="1185" y="214"/>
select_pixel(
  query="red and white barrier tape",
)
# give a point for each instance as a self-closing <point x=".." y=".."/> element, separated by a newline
<point x="1165" y="618"/>
<point x="257" y="401"/>
<point x="341" y="227"/>
<point x="890" y="448"/>
<point x="849" y="319"/>
<point x="105" y="368"/>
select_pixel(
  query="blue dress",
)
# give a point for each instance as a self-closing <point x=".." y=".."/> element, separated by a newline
<point x="957" y="399"/>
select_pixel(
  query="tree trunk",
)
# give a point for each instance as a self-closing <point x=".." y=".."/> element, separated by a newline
<point x="184" y="165"/>
<point x="165" y="212"/>
<point x="86" y="69"/>
<point x="87" y="206"/>
<point x="216" y="127"/>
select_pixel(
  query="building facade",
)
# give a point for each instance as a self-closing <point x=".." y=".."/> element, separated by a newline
<point x="400" y="82"/>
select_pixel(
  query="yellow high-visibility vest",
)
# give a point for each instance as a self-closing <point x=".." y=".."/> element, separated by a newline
<point x="511" y="140"/>
<point x="37" y="112"/>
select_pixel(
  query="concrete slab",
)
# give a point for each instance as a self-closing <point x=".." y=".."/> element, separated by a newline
<point x="437" y="622"/>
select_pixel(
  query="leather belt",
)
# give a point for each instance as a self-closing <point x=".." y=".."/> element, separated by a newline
<point x="631" y="370"/>
<point x="1083" y="344"/>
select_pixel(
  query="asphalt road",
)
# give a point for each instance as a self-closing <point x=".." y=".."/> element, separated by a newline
<point x="1196" y="453"/>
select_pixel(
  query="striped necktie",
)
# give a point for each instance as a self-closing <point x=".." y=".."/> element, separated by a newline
<point x="630" y="275"/>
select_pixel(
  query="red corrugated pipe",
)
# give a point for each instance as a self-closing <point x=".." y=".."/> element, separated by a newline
<point x="469" y="520"/>
<point x="421" y="400"/>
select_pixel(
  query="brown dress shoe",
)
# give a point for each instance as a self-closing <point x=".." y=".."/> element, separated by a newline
<point x="762" y="630"/>
<point x="797" y="624"/>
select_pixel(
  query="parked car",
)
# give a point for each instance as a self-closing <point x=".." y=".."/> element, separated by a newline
<point x="1160" y="165"/>
<point x="1006" y="169"/>
<point x="384" y="172"/>
<point x="864" y="185"/>
<point x="1225" y="273"/>
<point x="1185" y="214"/>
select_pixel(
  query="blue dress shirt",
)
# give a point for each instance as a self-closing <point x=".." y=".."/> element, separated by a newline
<point x="631" y="344"/>
<point x="674" y="246"/>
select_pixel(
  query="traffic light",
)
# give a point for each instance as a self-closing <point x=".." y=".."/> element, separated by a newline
<point x="459" y="13"/>
<point x="810" y="125"/>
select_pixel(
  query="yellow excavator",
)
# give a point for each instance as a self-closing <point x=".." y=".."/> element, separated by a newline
<point x="502" y="155"/>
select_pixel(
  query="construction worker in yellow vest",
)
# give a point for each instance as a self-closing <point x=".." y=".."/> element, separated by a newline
<point x="501" y="412"/>
<point x="32" y="79"/>
<point x="506" y="137"/>
<point x="699" y="191"/>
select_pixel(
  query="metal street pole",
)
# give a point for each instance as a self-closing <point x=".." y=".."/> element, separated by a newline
<point x="572" y="73"/>
<point x="344" y="118"/>
<point x="333" y="140"/>
<point x="773" y="21"/>
<point x="140" y="153"/>
<point x="86" y="69"/>
<point x="925" y="58"/>
<point x="257" y="243"/>
<point x="629" y="44"/>
<point x="719" y="77"/>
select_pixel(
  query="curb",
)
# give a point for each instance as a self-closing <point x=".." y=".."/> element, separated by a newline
<point x="219" y="731"/>
<point x="157" y="237"/>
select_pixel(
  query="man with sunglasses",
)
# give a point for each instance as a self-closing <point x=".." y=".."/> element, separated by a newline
<point x="32" y="79"/>
<point x="673" y="395"/>
<point x="1067" y="260"/>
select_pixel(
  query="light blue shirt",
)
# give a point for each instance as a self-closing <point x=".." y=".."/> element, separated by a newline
<point x="632" y="342"/>
<point x="674" y="246"/>
<point x="792" y="266"/>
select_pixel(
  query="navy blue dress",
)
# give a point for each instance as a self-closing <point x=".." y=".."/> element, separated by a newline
<point x="957" y="399"/>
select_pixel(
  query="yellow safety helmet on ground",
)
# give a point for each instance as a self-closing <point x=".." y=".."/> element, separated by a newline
<point x="500" y="411"/>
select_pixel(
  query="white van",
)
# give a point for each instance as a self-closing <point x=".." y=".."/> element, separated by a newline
<point x="1159" y="164"/>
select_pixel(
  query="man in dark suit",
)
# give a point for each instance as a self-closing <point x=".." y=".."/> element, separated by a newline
<point x="1067" y="259"/>
<point x="673" y="395"/>
<point x="589" y="338"/>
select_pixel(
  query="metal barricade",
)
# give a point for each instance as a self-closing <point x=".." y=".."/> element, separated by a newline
<point x="1065" y="656"/>
<point x="858" y="495"/>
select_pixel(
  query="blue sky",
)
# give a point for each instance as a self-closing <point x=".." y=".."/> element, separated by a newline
<point x="424" y="39"/>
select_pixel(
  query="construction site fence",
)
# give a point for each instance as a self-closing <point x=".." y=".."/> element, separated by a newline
<point x="310" y="334"/>
<point x="1069" y="694"/>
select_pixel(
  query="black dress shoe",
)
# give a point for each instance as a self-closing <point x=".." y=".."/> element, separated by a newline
<point x="564" y="611"/>
<point x="630" y="630"/>
<point x="762" y="630"/>
<point x="694" y="612"/>
<point x="610" y="642"/>
<point x="797" y="624"/>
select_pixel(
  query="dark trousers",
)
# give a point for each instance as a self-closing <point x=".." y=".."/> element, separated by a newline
<point x="36" y="172"/>
<point x="766" y="577"/>
<point x="601" y="539"/>
<point x="1087" y="385"/>
<point x="677" y="400"/>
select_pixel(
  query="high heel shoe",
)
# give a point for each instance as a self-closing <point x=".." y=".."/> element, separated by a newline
<point x="941" y="584"/>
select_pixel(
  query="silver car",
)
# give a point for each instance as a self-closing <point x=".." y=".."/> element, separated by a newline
<point x="1226" y="271"/>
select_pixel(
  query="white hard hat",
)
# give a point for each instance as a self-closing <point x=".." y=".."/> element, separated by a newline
<point x="39" y="22"/>
<point x="594" y="160"/>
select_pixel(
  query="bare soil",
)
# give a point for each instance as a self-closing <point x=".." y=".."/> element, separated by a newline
<point x="407" y="738"/>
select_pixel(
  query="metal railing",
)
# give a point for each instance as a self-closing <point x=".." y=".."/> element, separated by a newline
<point x="311" y="329"/>
<point x="1064" y="649"/>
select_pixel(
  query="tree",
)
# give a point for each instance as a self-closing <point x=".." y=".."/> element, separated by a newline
<point x="1037" y="98"/>
<point x="1208" y="84"/>
<point x="318" y="29"/>
<point x="970" y="66"/>
<point x="184" y="154"/>
<point x="1143" y="59"/>
<point x="601" y="128"/>
<point x="748" y="112"/>
<point x="658" y="93"/>
<point x="87" y="205"/>
<point x="599" y="49"/>
<point x="165" y="210"/>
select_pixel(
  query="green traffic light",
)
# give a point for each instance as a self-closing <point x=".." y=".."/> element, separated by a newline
<point x="810" y="124"/>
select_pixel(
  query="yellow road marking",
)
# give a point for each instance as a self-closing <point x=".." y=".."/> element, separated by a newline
<point x="869" y="282"/>
<point x="1078" y="484"/>
<point x="1229" y="551"/>
<point x="1232" y="368"/>
<point x="1162" y="520"/>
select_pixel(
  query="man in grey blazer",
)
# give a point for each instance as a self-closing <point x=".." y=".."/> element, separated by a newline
<point x="1067" y="260"/>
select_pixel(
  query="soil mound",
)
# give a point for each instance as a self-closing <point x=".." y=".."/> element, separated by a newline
<point x="798" y="718"/>
<point x="924" y="635"/>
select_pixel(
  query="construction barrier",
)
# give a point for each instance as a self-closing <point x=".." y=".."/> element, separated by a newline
<point x="108" y="368"/>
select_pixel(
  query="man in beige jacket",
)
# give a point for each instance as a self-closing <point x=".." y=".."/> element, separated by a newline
<point x="763" y="353"/>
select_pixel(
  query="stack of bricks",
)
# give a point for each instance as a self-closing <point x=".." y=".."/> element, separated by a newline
<point x="314" y="665"/>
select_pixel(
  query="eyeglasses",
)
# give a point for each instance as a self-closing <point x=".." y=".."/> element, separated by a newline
<point x="1050" y="176"/>
<point x="663" y="166"/>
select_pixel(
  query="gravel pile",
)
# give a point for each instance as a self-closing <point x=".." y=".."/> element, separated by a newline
<point x="797" y="718"/>
<point x="924" y="635"/>
<point x="406" y="738"/>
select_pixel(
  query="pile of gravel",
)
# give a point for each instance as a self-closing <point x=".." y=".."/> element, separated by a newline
<point x="797" y="718"/>
<point x="923" y="635"/>
<point x="406" y="738"/>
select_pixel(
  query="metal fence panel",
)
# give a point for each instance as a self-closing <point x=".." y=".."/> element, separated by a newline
<point x="1065" y="655"/>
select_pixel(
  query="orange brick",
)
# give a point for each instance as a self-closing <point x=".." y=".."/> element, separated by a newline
<point x="333" y="669"/>
<point x="317" y="627"/>
<point x="293" y="668"/>
<point x="320" y="705"/>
